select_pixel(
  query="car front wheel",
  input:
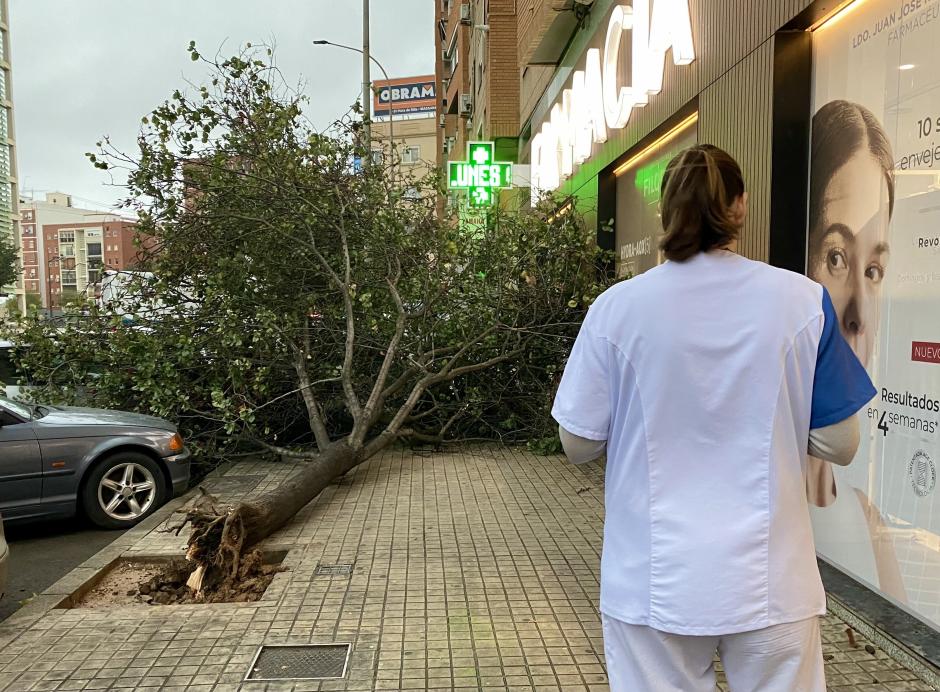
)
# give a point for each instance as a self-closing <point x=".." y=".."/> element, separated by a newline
<point x="122" y="490"/>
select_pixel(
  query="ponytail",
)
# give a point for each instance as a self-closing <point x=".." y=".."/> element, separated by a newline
<point x="699" y="187"/>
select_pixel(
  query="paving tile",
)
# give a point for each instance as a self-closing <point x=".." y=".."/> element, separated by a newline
<point x="473" y="569"/>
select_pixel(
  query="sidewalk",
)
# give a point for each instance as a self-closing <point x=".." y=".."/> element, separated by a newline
<point x="471" y="570"/>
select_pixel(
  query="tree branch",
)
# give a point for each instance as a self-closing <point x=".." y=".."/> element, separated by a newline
<point x="373" y="407"/>
<point x="301" y="357"/>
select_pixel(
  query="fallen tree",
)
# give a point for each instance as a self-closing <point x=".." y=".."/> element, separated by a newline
<point x="313" y="285"/>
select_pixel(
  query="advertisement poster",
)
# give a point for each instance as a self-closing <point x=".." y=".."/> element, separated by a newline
<point x="406" y="95"/>
<point x="874" y="242"/>
<point x="638" y="227"/>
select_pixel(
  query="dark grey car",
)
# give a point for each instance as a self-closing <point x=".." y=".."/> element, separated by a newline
<point x="115" y="467"/>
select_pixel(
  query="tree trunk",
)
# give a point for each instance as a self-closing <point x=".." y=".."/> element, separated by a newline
<point x="222" y="537"/>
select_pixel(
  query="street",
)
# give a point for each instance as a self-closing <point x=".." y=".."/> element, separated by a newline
<point x="42" y="553"/>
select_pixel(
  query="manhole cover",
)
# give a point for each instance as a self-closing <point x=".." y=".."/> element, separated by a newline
<point x="310" y="662"/>
<point x="342" y="570"/>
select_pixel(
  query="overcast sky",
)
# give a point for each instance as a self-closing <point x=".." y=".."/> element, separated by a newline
<point x="87" y="68"/>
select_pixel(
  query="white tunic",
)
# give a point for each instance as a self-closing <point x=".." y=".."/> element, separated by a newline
<point x="700" y="375"/>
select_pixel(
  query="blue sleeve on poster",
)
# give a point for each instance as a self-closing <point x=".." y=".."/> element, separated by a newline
<point x="841" y="386"/>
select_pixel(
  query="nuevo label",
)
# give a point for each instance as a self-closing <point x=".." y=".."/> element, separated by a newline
<point x="925" y="352"/>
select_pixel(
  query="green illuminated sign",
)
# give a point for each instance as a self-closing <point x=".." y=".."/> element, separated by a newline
<point x="480" y="175"/>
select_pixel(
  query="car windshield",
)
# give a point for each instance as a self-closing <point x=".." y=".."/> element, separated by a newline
<point x="20" y="410"/>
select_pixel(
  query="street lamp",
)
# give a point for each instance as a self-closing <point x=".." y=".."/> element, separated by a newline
<point x="367" y="106"/>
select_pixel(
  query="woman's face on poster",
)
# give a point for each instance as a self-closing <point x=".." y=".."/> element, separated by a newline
<point x="849" y="248"/>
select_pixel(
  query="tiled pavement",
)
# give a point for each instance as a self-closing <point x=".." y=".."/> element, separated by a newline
<point x="472" y="570"/>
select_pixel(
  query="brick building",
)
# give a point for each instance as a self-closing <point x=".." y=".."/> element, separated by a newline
<point x="477" y="70"/>
<point x="77" y="253"/>
<point x="42" y="219"/>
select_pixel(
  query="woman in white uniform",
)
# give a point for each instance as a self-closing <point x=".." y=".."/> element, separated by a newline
<point x="702" y="379"/>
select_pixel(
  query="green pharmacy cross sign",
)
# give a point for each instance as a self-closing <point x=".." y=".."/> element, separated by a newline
<point x="480" y="175"/>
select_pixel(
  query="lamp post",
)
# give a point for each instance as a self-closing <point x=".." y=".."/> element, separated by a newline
<point x="367" y="93"/>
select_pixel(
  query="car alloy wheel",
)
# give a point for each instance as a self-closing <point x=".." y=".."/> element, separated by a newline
<point x="127" y="491"/>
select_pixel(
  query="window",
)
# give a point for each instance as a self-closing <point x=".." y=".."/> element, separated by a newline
<point x="66" y="236"/>
<point x="411" y="154"/>
<point x="94" y="248"/>
<point x="68" y="277"/>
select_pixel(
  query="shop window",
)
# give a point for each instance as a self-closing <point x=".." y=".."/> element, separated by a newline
<point x="637" y="225"/>
<point x="874" y="211"/>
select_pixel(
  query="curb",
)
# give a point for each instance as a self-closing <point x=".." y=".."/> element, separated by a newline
<point x="46" y="601"/>
<point x="892" y="647"/>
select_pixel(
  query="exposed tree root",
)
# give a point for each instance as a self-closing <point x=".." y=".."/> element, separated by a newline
<point x="224" y="564"/>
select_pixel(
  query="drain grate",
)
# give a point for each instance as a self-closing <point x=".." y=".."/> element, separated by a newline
<point x="341" y="570"/>
<point x="309" y="662"/>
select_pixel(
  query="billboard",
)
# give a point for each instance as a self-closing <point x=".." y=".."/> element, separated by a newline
<point x="873" y="242"/>
<point x="406" y="95"/>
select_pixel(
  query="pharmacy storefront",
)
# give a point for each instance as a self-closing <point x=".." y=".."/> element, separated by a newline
<point x="833" y="110"/>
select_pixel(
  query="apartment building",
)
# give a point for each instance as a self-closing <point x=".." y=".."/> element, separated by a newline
<point x="78" y="253"/>
<point x="46" y="221"/>
<point x="478" y="70"/>
<point x="415" y="143"/>
<point x="9" y="217"/>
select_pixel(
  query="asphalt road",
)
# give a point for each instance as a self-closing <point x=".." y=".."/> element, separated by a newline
<point x="41" y="554"/>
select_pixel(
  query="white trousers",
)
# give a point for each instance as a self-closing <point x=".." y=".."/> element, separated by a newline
<point x="783" y="658"/>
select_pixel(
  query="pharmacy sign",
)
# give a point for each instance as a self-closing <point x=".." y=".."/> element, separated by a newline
<point x="480" y="174"/>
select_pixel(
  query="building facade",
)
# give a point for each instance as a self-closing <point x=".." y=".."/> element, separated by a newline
<point x="415" y="140"/>
<point x="76" y="255"/>
<point x="9" y="216"/>
<point x="44" y="262"/>
<point x="404" y="114"/>
<point x="832" y="108"/>
<point x="477" y="70"/>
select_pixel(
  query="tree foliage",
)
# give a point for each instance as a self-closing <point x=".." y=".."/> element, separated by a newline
<point x="315" y="310"/>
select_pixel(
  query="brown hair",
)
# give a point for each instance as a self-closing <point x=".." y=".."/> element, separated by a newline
<point x="840" y="130"/>
<point x="699" y="187"/>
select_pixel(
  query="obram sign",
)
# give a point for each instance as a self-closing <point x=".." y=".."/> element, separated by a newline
<point x="598" y="97"/>
<point x="481" y="175"/>
<point x="407" y="95"/>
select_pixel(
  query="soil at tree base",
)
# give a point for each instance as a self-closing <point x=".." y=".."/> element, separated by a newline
<point x="165" y="584"/>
